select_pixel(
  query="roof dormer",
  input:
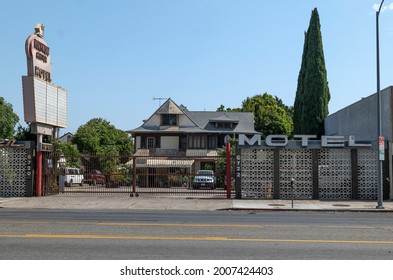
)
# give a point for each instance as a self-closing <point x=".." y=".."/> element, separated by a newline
<point x="224" y="121"/>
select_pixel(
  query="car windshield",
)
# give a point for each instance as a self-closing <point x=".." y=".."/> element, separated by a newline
<point x="205" y="172"/>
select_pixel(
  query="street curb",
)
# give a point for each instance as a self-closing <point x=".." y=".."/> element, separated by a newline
<point x="307" y="210"/>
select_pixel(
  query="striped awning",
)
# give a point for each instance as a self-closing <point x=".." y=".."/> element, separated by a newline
<point x="161" y="163"/>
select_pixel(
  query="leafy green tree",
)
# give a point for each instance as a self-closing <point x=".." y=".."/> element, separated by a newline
<point x="70" y="153"/>
<point x="23" y="133"/>
<point x="270" y="114"/>
<point x="222" y="109"/>
<point x="8" y="119"/>
<point x="98" y="136"/>
<point x="312" y="94"/>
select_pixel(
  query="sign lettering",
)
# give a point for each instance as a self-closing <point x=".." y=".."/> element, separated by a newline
<point x="243" y="139"/>
<point x="304" y="139"/>
<point x="42" y="48"/>
<point x="38" y="55"/>
<point x="282" y="141"/>
<point x="277" y="140"/>
<point x="42" y="74"/>
<point x="9" y="143"/>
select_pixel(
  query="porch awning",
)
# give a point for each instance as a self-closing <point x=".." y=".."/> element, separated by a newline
<point x="162" y="163"/>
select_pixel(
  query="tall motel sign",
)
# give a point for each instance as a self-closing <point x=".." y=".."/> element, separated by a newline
<point x="45" y="104"/>
<point x="45" y="108"/>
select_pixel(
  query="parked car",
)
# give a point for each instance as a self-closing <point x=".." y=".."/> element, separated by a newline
<point x="70" y="176"/>
<point x="94" y="177"/>
<point x="204" y="178"/>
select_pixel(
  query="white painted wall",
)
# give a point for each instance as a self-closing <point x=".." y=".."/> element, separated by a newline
<point x="170" y="142"/>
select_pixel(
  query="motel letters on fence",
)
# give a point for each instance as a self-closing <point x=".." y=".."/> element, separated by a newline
<point x="280" y="142"/>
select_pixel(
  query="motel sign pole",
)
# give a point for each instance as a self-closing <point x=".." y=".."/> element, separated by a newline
<point x="379" y="117"/>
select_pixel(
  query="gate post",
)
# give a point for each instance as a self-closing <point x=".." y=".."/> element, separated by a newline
<point x="276" y="174"/>
<point x="133" y="175"/>
<point x="228" y="169"/>
<point x="315" y="174"/>
<point x="390" y="155"/>
<point x="355" y="175"/>
<point x="29" y="168"/>
<point x="238" y="174"/>
<point x="39" y="166"/>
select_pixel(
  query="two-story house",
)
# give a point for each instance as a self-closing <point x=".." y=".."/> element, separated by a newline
<point x="176" y="137"/>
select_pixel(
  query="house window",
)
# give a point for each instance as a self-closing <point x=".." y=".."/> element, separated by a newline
<point x="182" y="142"/>
<point x="169" y="119"/>
<point x="221" y="141"/>
<point x="143" y="142"/>
<point x="211" y="142"/>
<point x="151" y="142"/>
<point x="197" y="141"/>
<point x="225" y="125"/>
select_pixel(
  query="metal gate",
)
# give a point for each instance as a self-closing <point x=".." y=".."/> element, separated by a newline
<point x="133" y="175"/>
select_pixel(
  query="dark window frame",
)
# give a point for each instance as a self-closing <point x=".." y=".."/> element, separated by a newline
<point x="197" y="141"/>
<point x="169" y="120"/>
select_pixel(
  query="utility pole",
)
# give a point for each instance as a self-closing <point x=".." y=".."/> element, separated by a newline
<point x="381" y="139"/>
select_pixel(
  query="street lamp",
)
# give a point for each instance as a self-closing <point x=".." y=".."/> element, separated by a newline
<point x="379" y="117"/>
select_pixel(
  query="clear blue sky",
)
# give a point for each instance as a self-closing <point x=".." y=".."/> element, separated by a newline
<point x="114" y="56"/>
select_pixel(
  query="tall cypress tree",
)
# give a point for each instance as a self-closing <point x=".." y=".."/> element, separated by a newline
<point x="312" y="94"/>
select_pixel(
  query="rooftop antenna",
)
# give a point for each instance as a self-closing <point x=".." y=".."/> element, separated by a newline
<point x="160" y="99"/>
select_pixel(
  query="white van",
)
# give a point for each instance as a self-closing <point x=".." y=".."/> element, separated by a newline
<point x="69" y="176"/>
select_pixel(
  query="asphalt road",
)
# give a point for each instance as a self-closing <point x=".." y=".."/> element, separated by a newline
<point x="76" y="234"/>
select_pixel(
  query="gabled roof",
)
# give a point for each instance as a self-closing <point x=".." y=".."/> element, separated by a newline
<point x="200" y="121"/>
<point x="169" y="107"/>
<point x="66" y="137"/>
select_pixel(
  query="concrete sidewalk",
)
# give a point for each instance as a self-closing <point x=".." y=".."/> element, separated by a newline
<point x="113" y="202"/>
